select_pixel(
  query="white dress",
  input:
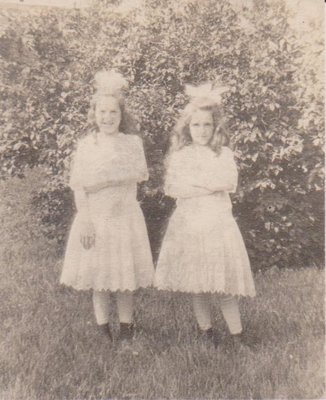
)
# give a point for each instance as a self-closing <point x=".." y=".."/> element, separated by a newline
<point x="203" y="250"/>
<point x="121" y="257"/>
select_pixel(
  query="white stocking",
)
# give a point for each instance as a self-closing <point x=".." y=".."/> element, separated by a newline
<point x="202" y="310"/>
<point x="125" y="306"/>
<point x="101" y="306"/>
<point x="230" y="309"/>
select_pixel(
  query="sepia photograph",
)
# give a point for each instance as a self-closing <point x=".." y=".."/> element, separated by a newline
<point x="162" y="199"/>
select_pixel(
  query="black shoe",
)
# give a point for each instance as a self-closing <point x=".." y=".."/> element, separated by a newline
<point x="208" y="335"/>
<point x="105" y="330"/>
<point x="127" y="331"/>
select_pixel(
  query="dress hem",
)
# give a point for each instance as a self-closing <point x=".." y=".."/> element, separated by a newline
<point x="205" y="291"/>
<point x="100" y="289"/>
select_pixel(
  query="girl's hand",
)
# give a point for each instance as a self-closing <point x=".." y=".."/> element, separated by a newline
<point x="87" y="234"/>
<point x="95" y="188"/>
<point x="100" y="186"/>
<point x="186" y="191"/>
<point x="225" y="188"/>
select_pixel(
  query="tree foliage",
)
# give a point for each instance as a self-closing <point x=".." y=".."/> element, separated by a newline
<point x="274" y="107"/>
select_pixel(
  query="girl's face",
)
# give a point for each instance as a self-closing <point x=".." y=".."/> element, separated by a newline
<point x="108" y="115"/>
<point x="201" y="127"/>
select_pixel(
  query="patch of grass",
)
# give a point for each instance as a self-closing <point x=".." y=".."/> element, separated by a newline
<point x="50" y="347"/>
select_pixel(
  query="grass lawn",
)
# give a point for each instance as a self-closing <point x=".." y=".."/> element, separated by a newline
<point x="50" y="348"/>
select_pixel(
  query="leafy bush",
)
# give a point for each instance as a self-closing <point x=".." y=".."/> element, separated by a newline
<point x="276" y="123"/>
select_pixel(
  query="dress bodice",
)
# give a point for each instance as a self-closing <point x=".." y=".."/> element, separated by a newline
<point x="118" y="160"/>
<point x="199" y="167"/>
<point x="100" y="159"/>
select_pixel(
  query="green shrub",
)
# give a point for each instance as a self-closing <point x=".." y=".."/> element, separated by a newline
<point x="276" y="126"/>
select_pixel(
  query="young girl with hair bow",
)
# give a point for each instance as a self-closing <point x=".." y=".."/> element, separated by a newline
<point x="108" y="248"/>
<point x="203" y="251"/>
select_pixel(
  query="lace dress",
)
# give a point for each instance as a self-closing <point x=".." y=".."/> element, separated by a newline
<point x="121" y="257"/>
<point x="203" y="250"/>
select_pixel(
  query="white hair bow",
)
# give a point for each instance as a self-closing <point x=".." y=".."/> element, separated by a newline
<point x="206" y="91"/>
<point x="110" y="83"/>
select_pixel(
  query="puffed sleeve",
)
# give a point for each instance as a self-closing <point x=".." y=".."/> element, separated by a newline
<point x="76" y="180"/>
<point x="223" y="173"/>
<point x="141" y="169"/>
<point x="172" y="179"/>
<point x="232" y="170"/>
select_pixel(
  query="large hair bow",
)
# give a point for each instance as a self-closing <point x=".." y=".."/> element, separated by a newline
<point x="110" y="83"/>
<point x="206" y="91"/>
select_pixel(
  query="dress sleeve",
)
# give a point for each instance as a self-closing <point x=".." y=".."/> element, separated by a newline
<point x="76" y="181"/>
<point x="224" y="173"/>
<point x="171" y="184"/>
<point x="76" y="168"/>
<point x="141" y="169"/>
<point x="232" y="170"/>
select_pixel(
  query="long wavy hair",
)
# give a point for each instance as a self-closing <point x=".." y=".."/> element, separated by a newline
<point x="181" y="134"/>
<point x="128" y="124"/>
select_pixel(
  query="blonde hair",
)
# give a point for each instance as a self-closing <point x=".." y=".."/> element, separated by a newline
<point x="181" y="134"/>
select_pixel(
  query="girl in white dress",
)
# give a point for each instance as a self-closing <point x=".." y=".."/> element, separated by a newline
<point x="203" y="251"/>
<point x="108" y="248"/>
